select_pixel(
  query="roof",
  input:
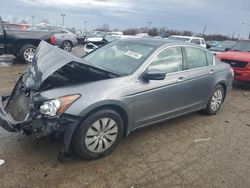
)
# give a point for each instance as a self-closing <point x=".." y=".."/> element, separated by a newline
<point x="188" y="37"/>
<point x="152" y="41"/>
<point x="156" y="42"/>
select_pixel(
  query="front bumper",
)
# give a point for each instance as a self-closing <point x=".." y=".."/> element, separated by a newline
<point x="242" y="75"/>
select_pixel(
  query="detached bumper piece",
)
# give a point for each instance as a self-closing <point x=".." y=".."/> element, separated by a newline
<point x="6" y="120"/>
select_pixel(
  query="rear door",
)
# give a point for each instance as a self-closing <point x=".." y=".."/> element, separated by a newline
<point x="200" y="77"/>
<point x="2" y="41"/>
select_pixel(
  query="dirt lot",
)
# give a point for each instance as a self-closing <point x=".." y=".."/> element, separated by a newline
<point x="165" y="155"/>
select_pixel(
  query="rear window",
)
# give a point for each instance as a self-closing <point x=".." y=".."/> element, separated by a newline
<point x="195" y="41"/>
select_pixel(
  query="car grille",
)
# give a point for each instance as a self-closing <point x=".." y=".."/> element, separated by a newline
<point x="234" y="63"/>
<point x="18" y="107"/>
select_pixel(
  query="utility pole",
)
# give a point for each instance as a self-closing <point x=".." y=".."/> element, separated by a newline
<point x="233" y="34"/>
<point x="63" y="15"/>
<point x="33" y="20"/>
<point x="85" y="25"/>
<point x="204" y="30"/>
<point x="149" y="24"/>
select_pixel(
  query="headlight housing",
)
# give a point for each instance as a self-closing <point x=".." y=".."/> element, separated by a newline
<point x="59" y="105"/>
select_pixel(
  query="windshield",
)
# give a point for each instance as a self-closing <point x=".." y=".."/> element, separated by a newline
<point x="226" y="44"/>
<point x="242" y="46"/>
<point x="120" y="57"/>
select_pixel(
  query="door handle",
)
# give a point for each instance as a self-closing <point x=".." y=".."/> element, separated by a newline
<point x="181" y="79"/>
<point x="211" y="71"/>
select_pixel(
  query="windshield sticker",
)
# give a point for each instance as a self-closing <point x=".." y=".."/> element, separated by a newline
<point x="133" y="54"/>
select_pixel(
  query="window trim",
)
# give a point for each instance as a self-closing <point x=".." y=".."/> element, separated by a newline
<point x="184" y="57"/>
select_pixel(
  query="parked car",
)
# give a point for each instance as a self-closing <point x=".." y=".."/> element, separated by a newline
<point x="212" y="43"/>
<point x="89" y="47"/>
<point x="118" y="88"/>
<point x="195" y="40"/>
<point x="62" y="38"/>
<point x="222" y="46"/>
<point x="22" y="44"/>
<point x="93" y="43"/>
<point x="239" y="58"/>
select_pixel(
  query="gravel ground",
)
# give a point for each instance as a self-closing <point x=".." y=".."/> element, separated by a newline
<point x="192" y="151"/>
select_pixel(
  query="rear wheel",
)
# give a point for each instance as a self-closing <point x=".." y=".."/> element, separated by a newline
<point x="99" y="134"/>
<point x="27" y="53"/>
<point x="67" y="46"/>
<point x="215" y="101"/>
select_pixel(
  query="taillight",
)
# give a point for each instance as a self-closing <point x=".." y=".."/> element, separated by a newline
<point x="232" y="71"/>
<point x="53" y="40"/>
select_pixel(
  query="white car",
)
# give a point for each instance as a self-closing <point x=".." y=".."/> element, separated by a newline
<point x="196" y="40"/>
<point x="89" y="47"/>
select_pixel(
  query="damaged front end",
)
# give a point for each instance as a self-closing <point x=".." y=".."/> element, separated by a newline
<point x="24" y="110"/>
<point x="27" y="110"/>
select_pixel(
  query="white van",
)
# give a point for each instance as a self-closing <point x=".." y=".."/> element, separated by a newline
<point x="196" y="40"/>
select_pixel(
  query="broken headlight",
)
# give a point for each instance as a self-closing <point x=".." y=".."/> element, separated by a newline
<point x="60" y="105"/>
<point x="50" y="107"/>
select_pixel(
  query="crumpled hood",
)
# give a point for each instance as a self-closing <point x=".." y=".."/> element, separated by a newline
<point x="47" y="60"/>
<point x="53" y="67"/>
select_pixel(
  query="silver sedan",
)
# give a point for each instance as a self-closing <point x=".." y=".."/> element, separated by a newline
<point x="118" y="88"/>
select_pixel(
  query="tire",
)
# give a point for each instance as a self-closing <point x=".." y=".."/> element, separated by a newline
<point x="216" y="101"/>
<point x="27" y="53"/>
<point x="89" y="146"/>
<point x="67" y="46"/>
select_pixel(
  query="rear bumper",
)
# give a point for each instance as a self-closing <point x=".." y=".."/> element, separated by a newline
<point x="242" y="75"/>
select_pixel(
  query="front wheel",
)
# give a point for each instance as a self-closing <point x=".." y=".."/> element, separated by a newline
<point x="99" y="134"/>
<point x="215" y="101"/>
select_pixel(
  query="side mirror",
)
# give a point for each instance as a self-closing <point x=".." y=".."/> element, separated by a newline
<point x="227" y="49"/>
<point x="154" y="74"/>
<point x="208" y="46"/>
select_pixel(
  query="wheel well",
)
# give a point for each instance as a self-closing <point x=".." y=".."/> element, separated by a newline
<point x="116" y="108"/>
<point x="224" y="87"/>
<point x="67" y="41"/>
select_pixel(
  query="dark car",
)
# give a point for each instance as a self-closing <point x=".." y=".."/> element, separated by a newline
<point x="116" y="89"/>
<point x="222" y="46"/>
<point x="21" y="43"/>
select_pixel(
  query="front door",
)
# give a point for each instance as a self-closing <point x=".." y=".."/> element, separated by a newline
<point x="156" y="100"/>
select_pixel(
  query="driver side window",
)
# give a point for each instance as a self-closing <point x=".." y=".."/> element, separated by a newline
<point x="169" y="60"/>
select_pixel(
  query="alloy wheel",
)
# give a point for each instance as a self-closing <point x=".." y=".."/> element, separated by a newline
<point x="101" y="135"/>
<point x="67" y="46"/>
<point x="29" y="54"/>
<point x="216" y="100"/>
